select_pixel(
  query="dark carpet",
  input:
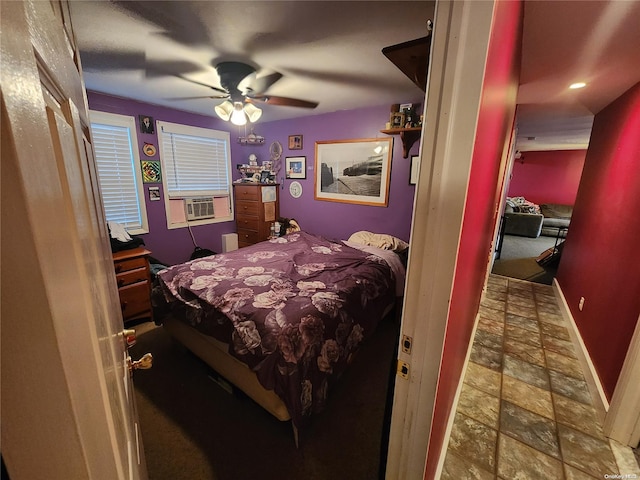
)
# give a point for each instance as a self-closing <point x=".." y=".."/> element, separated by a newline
<point x="524" y="269"/>
<point x="518" y="259"/>
<point x="193" y="429"/>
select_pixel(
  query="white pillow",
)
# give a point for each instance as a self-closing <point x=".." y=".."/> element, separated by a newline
<point x="379" y="240"/>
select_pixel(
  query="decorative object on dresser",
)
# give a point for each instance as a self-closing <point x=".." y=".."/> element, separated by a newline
<point x="256" y="207"/>
<point x="134" y="283"/>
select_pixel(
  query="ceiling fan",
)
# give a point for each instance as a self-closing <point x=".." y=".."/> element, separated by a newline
<point x="242" y="89"/>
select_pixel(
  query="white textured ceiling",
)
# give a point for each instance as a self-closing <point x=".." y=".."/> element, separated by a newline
<point x="330" y="53"/>
<point x="597" y="42"/>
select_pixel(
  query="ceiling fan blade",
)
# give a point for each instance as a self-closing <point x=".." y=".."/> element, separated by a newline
<point x="221" y="90"/>
<point x="262" y="84"/>
<point x="100" y="60"/>
<point x="281" y="101"/>
<point x="198" y="97"/>
<point x="159" y="68"/>
<point x="177" y="21"/>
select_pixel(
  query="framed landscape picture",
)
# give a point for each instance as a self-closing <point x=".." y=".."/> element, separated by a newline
<point x="354" y="171"/>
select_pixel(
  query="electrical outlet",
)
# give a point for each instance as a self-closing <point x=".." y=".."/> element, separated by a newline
<point x="581" y="304"/>
<point x="407" y="341"/>
<point x="403" y="369"/>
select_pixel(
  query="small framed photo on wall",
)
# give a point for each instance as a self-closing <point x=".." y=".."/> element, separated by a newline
<point x="296" y="167"/>
<point x="295" y="142"/>
<point x="397" y="120"/>
<point x="146" y="124"/>
<point x="415" y="169"/>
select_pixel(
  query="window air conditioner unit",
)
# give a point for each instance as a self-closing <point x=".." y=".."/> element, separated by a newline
<point x="198" y="208"/>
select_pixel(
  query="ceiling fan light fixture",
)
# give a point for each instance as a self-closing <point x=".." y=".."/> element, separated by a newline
<point x="224" y="110"/>
<point x="253" y="112"/>
<point x="238" y="117"/>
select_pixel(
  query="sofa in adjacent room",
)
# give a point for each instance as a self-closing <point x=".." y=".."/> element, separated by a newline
<point x="522" y="218"/>
<point x="556" y="219"/>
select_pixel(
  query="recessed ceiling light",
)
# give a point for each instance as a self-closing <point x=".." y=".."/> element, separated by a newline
<point x="576" y="85"/>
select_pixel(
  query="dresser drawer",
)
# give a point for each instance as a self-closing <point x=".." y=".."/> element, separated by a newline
<point x="132" y="276"/>
<point x="248" y="223"/>
<point x="248" y="192"/>
<point x="247" y="208"/>
<point x="248" y="237"/>
<point x="134" y="299"/>
<point x="130" y="264"/>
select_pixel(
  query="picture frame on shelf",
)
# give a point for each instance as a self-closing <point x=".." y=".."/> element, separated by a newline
<point x="354" y="171"/>
<point x="415" y="169"/>
<point x="296" y="167"/>
<point x="396" y="120"/>
<point x="295" y="142"/>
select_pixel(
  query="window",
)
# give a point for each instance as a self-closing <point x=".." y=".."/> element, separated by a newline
<point x="196" y="162"/>
<point x="118" y="164"/>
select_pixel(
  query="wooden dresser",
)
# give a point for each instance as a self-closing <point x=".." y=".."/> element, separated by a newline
<point x="256" y="208"/>
<point x="134" y="283"/>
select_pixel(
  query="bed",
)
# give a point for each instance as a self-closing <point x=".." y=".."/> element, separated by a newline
<point x="281" y="319"/>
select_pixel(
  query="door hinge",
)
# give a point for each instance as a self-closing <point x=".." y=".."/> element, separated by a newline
<point x="403" y="369"/>
<point x="407" y="342"/>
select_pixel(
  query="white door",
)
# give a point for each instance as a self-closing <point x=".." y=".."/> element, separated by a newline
<point x="67" y="402"/>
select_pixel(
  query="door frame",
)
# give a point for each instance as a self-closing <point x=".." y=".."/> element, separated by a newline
<point x="622" y="421"/>
<point x="456" y="71"/>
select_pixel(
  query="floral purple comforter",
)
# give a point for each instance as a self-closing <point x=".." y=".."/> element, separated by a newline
<point x="294" y="309"/>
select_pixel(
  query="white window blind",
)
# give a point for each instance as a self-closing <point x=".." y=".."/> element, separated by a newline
<point x="196" y="161"/>
<point x="118" y="167"/>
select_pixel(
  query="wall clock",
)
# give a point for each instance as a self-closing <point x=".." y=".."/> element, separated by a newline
<point x="295" y="189"/>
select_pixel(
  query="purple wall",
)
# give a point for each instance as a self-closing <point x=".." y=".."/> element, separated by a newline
<point x="330" y="219"/>
<point x="169" y="246"/>
<point x="340" y="220"/>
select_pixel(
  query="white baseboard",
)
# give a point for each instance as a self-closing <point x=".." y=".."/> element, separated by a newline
<point x="601" y="404"/>
<point x="456" y="398"/>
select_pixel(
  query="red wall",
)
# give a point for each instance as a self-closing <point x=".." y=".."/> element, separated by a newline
<point x="601" y="258"/>
<point x="495" y="124"/>
<point x="548" y="177"/>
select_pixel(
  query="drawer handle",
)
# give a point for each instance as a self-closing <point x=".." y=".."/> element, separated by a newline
<point x="118" y="268"/>
<point x="120" y="282"/>
<point x="123" y="305"/>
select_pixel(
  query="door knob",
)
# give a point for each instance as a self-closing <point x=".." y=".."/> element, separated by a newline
<point x="145" y="363"/>
<point x="128" y="337"/>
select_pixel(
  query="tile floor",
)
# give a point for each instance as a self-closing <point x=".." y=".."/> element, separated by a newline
<point x="525" y="411"/>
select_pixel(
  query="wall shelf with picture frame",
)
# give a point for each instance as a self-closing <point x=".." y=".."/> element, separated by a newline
<point x="408" y="136"/>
